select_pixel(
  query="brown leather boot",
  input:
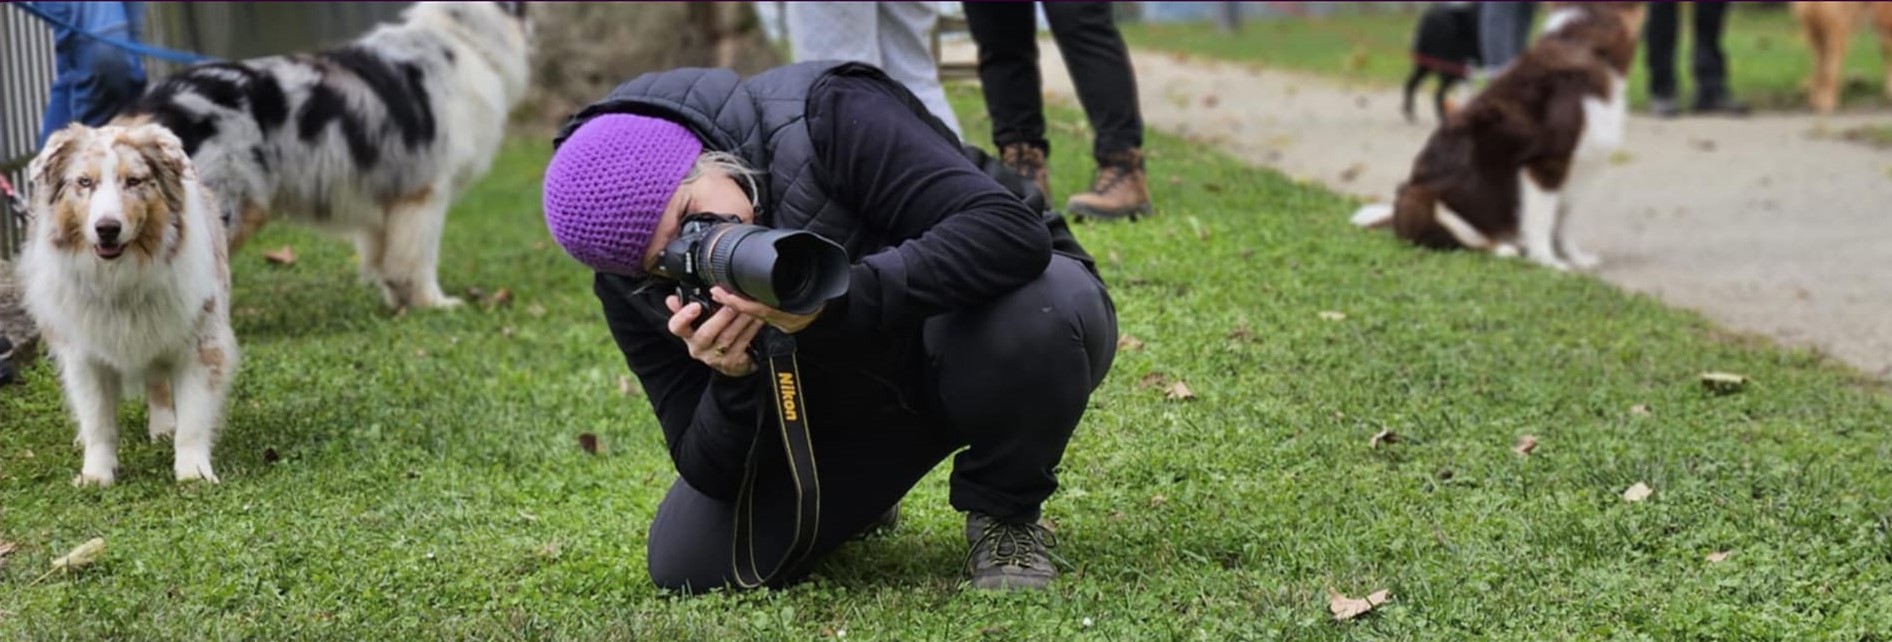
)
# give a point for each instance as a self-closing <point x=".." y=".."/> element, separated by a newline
<point x="1117" y="191"/>
<point x="1029" y="161"/>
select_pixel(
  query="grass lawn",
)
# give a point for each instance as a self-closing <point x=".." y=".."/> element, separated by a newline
<point x="419" y="477"/>
<point x="1767" y="57"/>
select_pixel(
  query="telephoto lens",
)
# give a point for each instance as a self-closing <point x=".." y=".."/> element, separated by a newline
<point x="789" y="270"/>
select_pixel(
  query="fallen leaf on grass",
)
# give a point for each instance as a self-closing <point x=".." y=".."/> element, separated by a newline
<point x="270" y="456"/>
<point x="1129" y="342"/>
<point x="284" y="256"/>
<point x="1717" y="556"/>
<point x="1179" y="391"/>
<point x="501" y="297"/>
<point x="1150" y="380"/>
<point x="1115" y="258"/>
<point x="1331" y="315"/>
<point x="1346" y="608"/>
<point x="624" y="386"/>
<point x="1213" y="188"/>
<point x="1723" y="382"/>
<point x="506" y="332"/>
<point x="6" y="547"/>
<point x="84" y="554"/>
<point x="1175" y="180"/>
<point x="588" y="442"/>
<point x="1640" y="410"/>
<point x="536" y="310"/>
<point x="1525" y="445"/>
<point x="1158" y="500"/>
<point x="1382" y="437"/>
<point x="1638" y="492"/>
<point x="1240" y="333"/>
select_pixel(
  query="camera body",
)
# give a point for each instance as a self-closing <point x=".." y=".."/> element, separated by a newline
<point x="790" y="270"/>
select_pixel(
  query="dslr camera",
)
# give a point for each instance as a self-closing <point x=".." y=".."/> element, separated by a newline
<point x="790" y="270"/>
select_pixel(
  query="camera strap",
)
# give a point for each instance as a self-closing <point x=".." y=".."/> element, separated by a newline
<point x="784" y="387"/>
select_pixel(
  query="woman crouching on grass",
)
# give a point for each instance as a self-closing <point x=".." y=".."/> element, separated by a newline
<point x="968" y="320"/>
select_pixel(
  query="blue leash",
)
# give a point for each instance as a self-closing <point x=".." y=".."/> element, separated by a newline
<point x="172" y="55"/>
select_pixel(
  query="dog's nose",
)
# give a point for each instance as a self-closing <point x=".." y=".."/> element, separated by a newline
<point x="108" y="231"/>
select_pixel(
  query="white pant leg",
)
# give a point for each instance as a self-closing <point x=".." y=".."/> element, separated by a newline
<point x="906" y="51"/>
<point x="833" y="31"/>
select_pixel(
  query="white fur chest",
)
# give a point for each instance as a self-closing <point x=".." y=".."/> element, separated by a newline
<point x="1605" y="123"/>
<point x="130" y="318"/>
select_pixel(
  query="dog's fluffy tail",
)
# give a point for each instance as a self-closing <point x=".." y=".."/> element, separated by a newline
<point x="1373" y="216"/>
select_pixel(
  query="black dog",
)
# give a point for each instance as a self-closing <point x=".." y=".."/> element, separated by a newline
<point x="1445" y="43"/>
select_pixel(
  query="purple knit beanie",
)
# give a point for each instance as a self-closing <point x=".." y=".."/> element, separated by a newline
<point x="608" y="184"/>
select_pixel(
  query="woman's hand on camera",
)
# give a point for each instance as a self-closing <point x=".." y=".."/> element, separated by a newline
<point x="787" y="323"/>
<point x="722" y="342"/>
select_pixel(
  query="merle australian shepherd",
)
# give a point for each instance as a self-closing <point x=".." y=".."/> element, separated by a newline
<point x="373" y="139"/>
<point x="1502" y="174"/>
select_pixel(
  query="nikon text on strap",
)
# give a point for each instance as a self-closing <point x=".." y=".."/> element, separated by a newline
<point x="784" y="385"/>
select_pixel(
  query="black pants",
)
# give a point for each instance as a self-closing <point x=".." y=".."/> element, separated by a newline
<point x="1709" y="65"/>
<point x="1009" y="381"/>
<point x="1094" y="53"/>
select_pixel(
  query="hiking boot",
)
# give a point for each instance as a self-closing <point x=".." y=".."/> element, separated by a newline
<point x="1117" y="191"/>
<point x="1008" y="556"/>
<point x="1029" y="161"/>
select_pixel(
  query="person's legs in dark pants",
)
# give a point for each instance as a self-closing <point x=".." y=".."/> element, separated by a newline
<point x="1007" y="37"/>
<point x="1709" y="68"/>
<point x="864" y="469"/>
<point x="1099" y="64"/>
<point x="1659" y="31"/>
<point x="1014" y="378"/>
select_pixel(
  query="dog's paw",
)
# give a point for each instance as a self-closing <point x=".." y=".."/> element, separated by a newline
<point x="86" y="479"/>
<point x="447" y="303"/>
<point x="1506" y="251"/>
<point x="197" y="473"/>
<point x="195" y="466"/>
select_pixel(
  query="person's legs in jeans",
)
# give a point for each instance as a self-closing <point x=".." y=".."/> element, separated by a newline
<point x="1504" y="31"/>
<point x="1009" y="78"/>
<point x="1014" y="378"/>
<point x="1099" y="64"/>
<point x="93" y="80"/>
<point x="906" y="53"/>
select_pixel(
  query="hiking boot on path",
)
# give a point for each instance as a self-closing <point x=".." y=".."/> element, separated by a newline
<point x="1118" y="191"/>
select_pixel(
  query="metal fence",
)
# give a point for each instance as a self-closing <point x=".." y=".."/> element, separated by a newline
<point x="228" y="30"/>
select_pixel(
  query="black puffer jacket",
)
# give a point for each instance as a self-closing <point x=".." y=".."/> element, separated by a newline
<point x="853" y="156"/>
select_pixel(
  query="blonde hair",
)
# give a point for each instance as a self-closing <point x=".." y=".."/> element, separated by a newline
<point x="732" y="165"/>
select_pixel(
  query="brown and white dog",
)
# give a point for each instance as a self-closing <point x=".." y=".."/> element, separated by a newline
<point x="1502" y="174"/>
<point x="1827" y="26"/>
<point x="127" y="273"/>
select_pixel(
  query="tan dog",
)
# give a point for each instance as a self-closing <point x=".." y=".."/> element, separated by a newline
<point x="1828" y="26"/>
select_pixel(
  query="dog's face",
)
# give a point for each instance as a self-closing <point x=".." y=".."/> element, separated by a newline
<point x="110" y="191"/>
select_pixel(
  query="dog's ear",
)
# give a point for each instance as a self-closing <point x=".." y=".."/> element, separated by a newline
<point x="46" y="168"/>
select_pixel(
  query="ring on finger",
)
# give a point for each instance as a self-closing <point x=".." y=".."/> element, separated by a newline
<point x="719" y="350"/>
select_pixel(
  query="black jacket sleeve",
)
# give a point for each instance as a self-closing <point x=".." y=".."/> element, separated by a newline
<point x="708" y="419"/>
<point x="957" y="237"/>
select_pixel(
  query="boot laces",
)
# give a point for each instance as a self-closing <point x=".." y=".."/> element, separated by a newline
<point x="1012" y="544"/>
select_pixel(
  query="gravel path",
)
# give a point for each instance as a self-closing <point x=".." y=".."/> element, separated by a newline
<point x="1767" y="224"/>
